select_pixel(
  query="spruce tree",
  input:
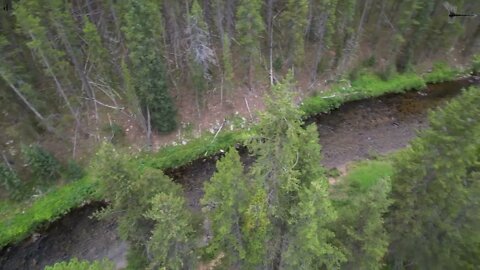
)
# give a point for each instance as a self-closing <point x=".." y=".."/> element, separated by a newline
<point x="143" y="32"/>
<point x="294" y="22"/>
<point x="434" y="219"/>
<point x="228" y="202"/>
<point x="360" y="229"/>
<point x="140" y="200"/>
<point x="249" y="28"/>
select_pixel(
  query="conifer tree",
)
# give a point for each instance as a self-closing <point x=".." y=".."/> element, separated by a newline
<point x="147" y="205"/>
<point x="434" y="219"/>
<point x="48" y="56"/>
<point x="294" y="22"/>
<point x="227" y="199"/>
<point x="360" y="228"/>
<point x="172" y="241"/>
<point x="143" y="35"/>
<point x="249" y="28"/>
<point x="298" y="203"/>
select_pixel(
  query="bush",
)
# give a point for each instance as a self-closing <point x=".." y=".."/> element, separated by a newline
<point x="75" y="264"/>
<point x="115" y="132"/>
<point x="441" y="72"/>
<point x="43" y="165"/>
<point x="73" y="171"/>
<point x="10" y="181"/>
<point x="476" y="64"/>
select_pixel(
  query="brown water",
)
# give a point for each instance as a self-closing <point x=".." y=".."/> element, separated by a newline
<point x="357" y="130"/>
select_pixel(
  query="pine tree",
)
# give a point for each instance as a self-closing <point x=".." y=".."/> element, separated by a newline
<point x="294" y="22"/>
<point x="249" y="29"/>
<point x="51" y="58"/>
<point x="434" y="219"/>
<point x="172" y="241"/>
<point x="202" y="56"/>
<point x="298" y="203"/>
<point x="138" y="199"/>
<point x="143" y="34"/>
<point x="226" y="203"/>
<point x="360" y="228"/>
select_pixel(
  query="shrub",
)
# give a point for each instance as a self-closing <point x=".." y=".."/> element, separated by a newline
<point x="75" y="264"/>
<point x="10" y="181"/>
<point x="43" y="165"/>
<point x="476" y="64"/>
<point x="73" y="171"/>
<point x="441" y="72"/>
<point x="115" y="132"/>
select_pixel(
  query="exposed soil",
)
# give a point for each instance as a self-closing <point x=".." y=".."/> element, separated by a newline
<point x="356" y="131"/>
<point x="74" y="235"/>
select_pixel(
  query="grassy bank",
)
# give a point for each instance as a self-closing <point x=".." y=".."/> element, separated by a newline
<point x="18" y="221"/>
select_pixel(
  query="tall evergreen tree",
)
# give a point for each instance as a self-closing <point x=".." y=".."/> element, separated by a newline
<point x="249" y="28"/>
<point x="299" y="209"/>
<point x="151" y="211"/>
<point x="143" y="31"/>
<point x="435" y="216"/>
<point x="229" y="201"/>
<point x="294" y="22"/>
<point x="360" y="228"/>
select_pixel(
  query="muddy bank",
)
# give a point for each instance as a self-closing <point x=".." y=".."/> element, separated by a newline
<point x="355" y="131"/>
<point x="74" y="235"/>
<point x="361" y="129"/>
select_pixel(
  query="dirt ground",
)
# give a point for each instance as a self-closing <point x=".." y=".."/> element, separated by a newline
<point x="356" y="131"/>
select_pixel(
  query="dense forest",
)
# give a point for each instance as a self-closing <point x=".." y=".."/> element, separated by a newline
<point x="76" y="71"/>
<point x="87" y="87"/>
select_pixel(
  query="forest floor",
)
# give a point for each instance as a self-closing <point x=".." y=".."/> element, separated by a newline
<point x="357" y="130"/>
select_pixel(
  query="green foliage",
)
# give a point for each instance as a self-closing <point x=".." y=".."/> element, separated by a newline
<point x="153" y="217"/>
<point x="47" y="208"/>
<point x="287" y="164"/>
<point x="10" y="181"/>
<point x="75" y="264"/>
<point x="362" y="199"/>
<point x="249" y="27"/>
<point x="365" y="174"/>
<point x="115" y="132"/>
<point x="476" y="64"/>
<point x="227" y="197"/>
<point x="147" y="67"/>
<point x="44" y="167"/>
<point x="434" y="220"/>
<point x="441" y="72"/>
<point x="366" y="85"/>
<point x="172" y="241"/>
<point x="294" y="21"/>
<point x="73" y="171"/>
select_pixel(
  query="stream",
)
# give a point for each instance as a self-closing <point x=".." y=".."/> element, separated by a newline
<point x="355" y="131"/>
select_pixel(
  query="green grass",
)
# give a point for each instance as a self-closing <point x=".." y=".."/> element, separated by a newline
<point x="441" y="72"/>
<point x="19" y="220"/>
<point x="366" y="173"/>
<point x="367" y="85"/>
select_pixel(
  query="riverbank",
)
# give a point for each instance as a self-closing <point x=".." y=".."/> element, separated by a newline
<point x="21" y="220"/>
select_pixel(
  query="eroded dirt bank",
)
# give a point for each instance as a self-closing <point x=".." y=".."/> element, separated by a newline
<point x="355" y="131"/>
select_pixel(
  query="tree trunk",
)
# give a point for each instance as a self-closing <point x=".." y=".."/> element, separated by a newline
<point x="270" y="37"/>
